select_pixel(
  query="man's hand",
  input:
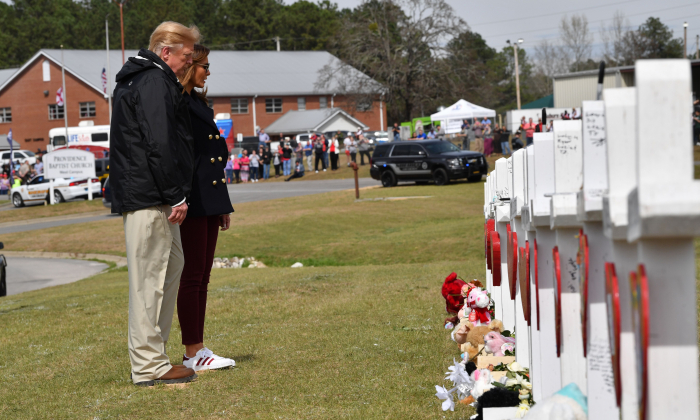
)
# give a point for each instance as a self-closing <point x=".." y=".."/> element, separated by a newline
<point x="224" y="222"/>
<point x="178" y="215"/>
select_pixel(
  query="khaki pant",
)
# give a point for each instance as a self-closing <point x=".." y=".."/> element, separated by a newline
<point x="479" y="144"/>
<point x="155" y="261"/>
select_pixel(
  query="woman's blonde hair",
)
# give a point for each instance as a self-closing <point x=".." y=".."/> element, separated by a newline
<point x="173" y="35"/>
<point x="200" y="53"/>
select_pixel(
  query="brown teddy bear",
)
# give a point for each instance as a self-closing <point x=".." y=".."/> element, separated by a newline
<point x="470" y="337"/>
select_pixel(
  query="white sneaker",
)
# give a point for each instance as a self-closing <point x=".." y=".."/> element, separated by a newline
<point x="205" y="359"/>
<point x="324" y="170"/>
<point x="316" y="171"/>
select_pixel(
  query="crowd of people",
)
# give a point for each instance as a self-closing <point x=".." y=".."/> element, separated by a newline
<point x="291" y="157"/>
<point x="489" y="138"/>
<point x="14" y="174"/>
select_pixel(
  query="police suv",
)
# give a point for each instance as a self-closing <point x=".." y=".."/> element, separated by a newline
<point x="36" y="191"/>
<point x="425" y="160"/>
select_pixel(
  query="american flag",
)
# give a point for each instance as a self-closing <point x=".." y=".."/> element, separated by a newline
<point x="104" y="80"/>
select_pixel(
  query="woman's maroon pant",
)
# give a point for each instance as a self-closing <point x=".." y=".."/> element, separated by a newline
<point x="198" y="235"/>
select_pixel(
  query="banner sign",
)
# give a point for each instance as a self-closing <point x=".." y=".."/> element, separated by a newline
<point x="69" y="163"/>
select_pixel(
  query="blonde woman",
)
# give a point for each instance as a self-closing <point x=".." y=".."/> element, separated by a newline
<point x="209" y="209"/>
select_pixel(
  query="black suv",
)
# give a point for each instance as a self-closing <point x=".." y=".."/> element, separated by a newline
<point x="425" y="160"/>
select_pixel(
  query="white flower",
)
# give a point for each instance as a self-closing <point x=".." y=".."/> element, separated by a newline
<point x="526" y="384"/>
<point x="517" y="381"/>
<point x="457" y="373"/>
<point x="446" y="395"/>
<point x="515" y="367"/>
<point x="522" y="410"/>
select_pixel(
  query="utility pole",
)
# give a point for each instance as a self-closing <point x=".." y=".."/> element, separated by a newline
<point x="65" y="95"/>
<point x="517" y="71"/>
<point x="685" y="39"/>
<point x="697" y="47"/>
<point x="278" y="42"/>
<point x="109" y="75"/>
<point x="121" y="18"/>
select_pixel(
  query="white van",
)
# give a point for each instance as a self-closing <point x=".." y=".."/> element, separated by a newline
<point x="20" y="155"/>
<point x="86" y="134"/>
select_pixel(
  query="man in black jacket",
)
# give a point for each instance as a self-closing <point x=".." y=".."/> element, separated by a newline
<point x="151" y="166"/>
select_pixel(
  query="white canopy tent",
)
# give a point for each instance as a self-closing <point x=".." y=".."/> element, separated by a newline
<point x="452" y="116"/>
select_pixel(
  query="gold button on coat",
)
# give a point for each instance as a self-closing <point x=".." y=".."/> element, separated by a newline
<point x="223" y="180"/>
<point x="210" y="136"/>
<point x="217" y="137"/>
<point x="213" y="183"/>
<point x="212" y="160"/>
<point x="220" y="159"/>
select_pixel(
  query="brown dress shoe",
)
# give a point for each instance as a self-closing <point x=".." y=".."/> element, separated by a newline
<point x="178" y="374"/>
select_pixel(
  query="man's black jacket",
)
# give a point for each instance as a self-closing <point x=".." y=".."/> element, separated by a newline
<point x="151" y="146"/>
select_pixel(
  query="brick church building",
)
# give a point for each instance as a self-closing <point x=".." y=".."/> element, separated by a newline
<point x="255" y="87"/>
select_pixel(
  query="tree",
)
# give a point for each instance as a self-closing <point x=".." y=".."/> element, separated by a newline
<point x="652" y="39"/>
<point x="398" y="43"/>
<point x="657" y="40"/>
<point x="577" y="41"/>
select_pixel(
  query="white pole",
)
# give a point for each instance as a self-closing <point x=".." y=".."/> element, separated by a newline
<point x="51" y="200"/>
<point x="89" y="186"/>
<point x="109" y="77"/>
<point x="65" y="96"/>
<point x="255" y="121"/>
<point x="381" y="115"/>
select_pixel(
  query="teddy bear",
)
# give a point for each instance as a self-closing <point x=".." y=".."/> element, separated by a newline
<point x="471" y="336"/>
<point x="477" y="306"/>
<point x="452" y="292"/>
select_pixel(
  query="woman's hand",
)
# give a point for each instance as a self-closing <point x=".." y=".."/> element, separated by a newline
<point x="224" y="222"/>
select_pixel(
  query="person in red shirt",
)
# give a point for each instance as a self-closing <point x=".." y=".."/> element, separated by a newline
<point x="529" y="131"/>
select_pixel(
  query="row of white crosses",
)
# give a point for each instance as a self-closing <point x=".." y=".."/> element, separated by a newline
<point x="590" y="255"/>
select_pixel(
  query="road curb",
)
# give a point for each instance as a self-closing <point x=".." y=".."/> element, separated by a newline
<point x="120" y="261"/>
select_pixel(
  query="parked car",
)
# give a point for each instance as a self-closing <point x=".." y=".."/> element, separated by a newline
<point x="36" y="191"/>
<point x="20" y="155"/>
<point x="425" y="160"/>
<point x="343" y="134"/>
<point x="106" y="194"/>
<point x="102" y="169"/>
<point x="377" y="137"/>
<point x="3" y="273"/>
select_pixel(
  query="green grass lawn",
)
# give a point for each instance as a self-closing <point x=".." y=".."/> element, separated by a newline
<point x="358" y="336"/>
<point x="62" y="209"/>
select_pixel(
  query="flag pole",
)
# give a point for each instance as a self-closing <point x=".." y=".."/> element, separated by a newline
<point x="65" y="95"/>
<point x="109" y="81"/>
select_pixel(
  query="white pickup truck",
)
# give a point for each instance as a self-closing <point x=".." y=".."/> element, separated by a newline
<point x="37" y="189"/>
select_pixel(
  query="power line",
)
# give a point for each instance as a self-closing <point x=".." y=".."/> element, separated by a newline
<point x="597" y="21"/>
<point x="554" y="14"/>
<point x="626" y="27"/>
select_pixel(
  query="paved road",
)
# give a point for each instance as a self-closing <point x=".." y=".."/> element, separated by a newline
<point x="239" y="193"/>
<point x="260" y="191"/>
<point x="25" y="274"/>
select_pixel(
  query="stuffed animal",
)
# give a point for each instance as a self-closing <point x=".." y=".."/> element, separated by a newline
<point x="482" y="382"/>
<point x="568" y="403"/>
<point x="496" y="397"/>
<point x="496" y="343"/>
<point x="466" y="332"/>
<point x="478" y="302"/>
<point x="452" y="292"/>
